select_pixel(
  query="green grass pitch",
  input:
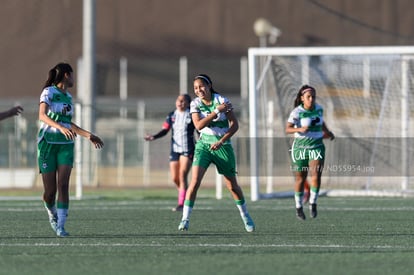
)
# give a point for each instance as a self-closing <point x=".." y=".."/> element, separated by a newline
<point x="135" y="232"/>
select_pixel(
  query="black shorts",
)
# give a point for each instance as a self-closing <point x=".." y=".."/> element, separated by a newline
<point x="174" y="156"/>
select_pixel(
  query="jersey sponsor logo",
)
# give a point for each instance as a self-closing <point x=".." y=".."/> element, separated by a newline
<point x="304" y="154"/>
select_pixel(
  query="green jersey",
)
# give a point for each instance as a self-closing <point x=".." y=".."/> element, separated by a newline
<point x="300" y="117"/>
<point x="60" y="110"/>
<point x="219" y="126"/>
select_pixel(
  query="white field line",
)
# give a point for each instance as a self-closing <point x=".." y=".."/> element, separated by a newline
<point x="167" y="206"/>
<point x="40" y="209"/>
<point x="238" y="245"/>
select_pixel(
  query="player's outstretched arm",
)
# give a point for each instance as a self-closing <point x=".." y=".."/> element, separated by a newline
<point x="11" y="112"/>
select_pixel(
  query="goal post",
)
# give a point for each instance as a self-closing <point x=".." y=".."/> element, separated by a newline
<point x="365" y="93"/>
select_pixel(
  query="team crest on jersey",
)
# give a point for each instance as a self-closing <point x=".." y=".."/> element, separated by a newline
<point x="315" y="121"/>
<point x="66" y="109"/>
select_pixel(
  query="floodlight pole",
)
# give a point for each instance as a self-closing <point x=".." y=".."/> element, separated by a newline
<point x="88" y="81"/>
<point x="183" y="70"/>
<point x="88" y="63"/>
<point x="405" y="119"/>
<point x="254" y="166"/>
<point x="123" y="85"/>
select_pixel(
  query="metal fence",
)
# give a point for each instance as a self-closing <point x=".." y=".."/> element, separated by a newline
<point x="126" y="160"/>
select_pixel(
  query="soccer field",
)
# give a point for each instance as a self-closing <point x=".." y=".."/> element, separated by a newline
<point x="135" y="232"/>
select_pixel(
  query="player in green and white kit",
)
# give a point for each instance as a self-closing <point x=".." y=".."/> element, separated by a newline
<point x="56" y="143"/>
<point x="213" y="117"/>
<point x="308" y="151"/>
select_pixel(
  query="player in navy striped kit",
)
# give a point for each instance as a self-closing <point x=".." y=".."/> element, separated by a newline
<point x="182" y="144"/>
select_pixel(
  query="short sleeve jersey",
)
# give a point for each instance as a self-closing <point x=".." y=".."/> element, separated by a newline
<point x="300" y="117"/>
<point x="182" y="127"/>
<point x="60" y="110"/>
<point x="219" y="126"/>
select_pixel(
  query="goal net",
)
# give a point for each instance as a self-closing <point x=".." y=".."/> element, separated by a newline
<point x="366" y="96"/>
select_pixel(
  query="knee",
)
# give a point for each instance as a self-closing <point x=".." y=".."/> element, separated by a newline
<point x="49" y="196"/>
<point x="175" y="179"/>
<point x="63" y="187"/>
<point x="232" y="186"/>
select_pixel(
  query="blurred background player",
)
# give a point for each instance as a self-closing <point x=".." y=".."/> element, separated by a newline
<point x="182" y="144"/>
<point x="15" y="111"/>
<point x="214" y="118"/>
<point x="308" y="151"/>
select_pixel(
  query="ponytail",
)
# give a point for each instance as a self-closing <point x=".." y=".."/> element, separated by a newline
<point x="50" y="79"/>
<point x="57" y="74"/>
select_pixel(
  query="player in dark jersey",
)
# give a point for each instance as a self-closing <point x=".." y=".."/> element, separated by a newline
<point x="182" y="144"/>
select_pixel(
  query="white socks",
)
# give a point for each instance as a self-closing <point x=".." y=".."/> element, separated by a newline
<point x="298" y="199"/>
<point x="186" y="212"/>
<point x="243" y="209"/>
<point x="51" y="212"/>
<point x="62" y="214"/>
<point x="313" y="197"/>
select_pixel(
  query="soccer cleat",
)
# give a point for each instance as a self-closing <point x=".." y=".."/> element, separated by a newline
<point x="60" y="232"/>
<point x="313" y="210"/>
<point x="300" y="214"/>
<point x="183" y="225"/>
<point x="179" y="208"/>
<point x="248" y="223"/>
<point x="53" y="222"/>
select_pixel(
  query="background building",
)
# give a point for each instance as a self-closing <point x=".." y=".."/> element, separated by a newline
<point x="153" y="34"/>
